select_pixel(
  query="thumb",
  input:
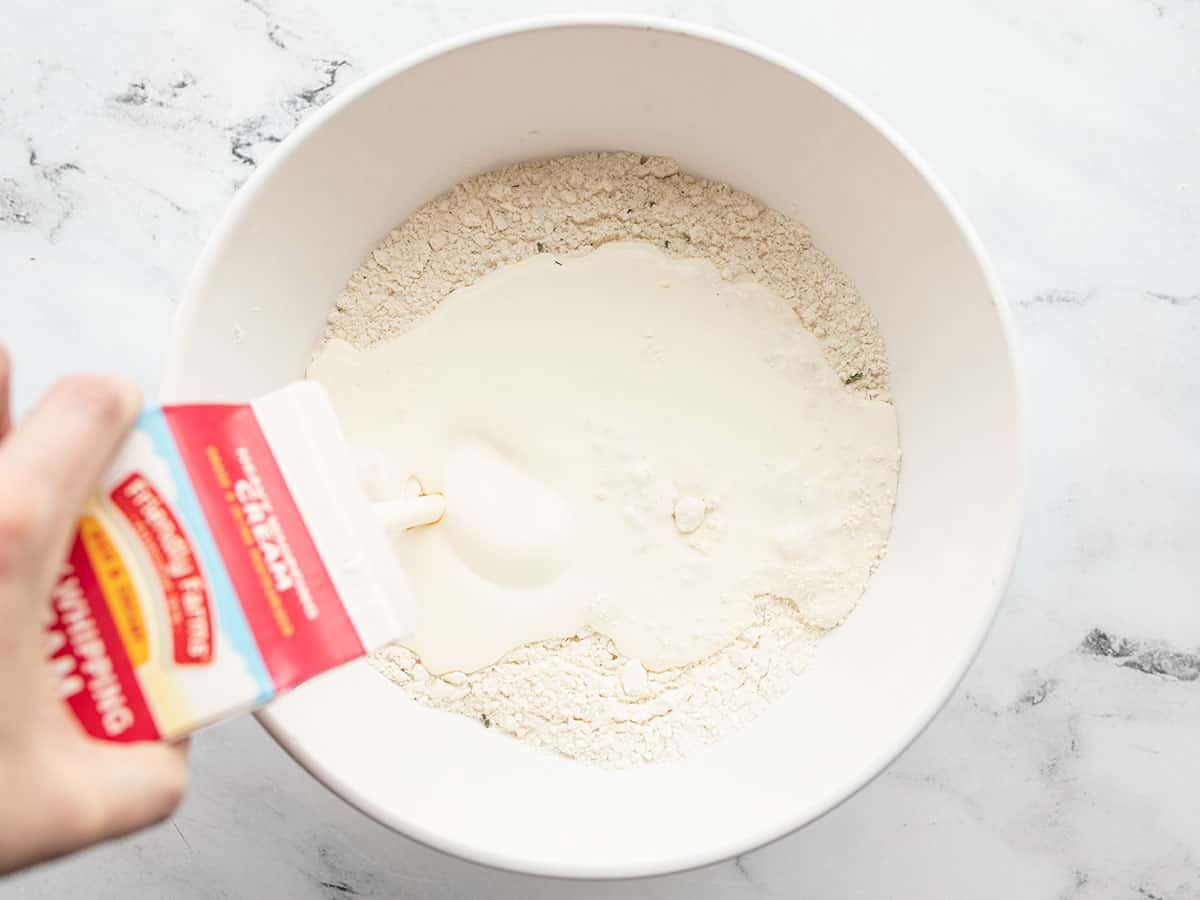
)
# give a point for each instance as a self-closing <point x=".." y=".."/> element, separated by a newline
<point x="87" y="792"/>
<point x="135" y="785"/>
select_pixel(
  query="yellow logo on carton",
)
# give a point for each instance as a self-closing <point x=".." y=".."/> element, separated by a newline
<point x="117" y="587"/>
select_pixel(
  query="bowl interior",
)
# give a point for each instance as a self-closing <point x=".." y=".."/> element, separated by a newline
<point x="257" y="305"/>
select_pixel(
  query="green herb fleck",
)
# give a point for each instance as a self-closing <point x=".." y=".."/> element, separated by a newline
<point x="487" y="723"/>
<point x="857" y="376"/>
<point x="667" y="244"/>
<point x="628" y="211"/>
<point x="541" y="248"/>
<point x="651" y="202"/>
<point x="557" y="263"/>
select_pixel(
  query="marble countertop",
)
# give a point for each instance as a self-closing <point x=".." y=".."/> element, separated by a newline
<point x="1066" y="765"/>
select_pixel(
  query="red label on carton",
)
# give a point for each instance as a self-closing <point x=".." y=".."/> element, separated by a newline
<point x="89" y="657"/>
<point x="289" y="600"/>
<point x="174" y="560"/>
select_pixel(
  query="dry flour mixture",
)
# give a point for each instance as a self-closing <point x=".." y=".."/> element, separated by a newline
<point x="659" y="416"/>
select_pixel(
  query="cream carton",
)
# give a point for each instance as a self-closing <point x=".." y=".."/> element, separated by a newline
<point x="227" y="554"/>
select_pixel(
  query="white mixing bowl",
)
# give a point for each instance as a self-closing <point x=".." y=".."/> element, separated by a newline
<point x="257" y="304"/>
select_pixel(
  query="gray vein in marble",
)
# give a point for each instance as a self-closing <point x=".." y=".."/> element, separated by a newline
<point x="313" y="97"/>
<point x="179" y="831"/>
<point x="1036" y="695"/>
<point x="1058" y="297"/>
<point x="248" y="135"/>
<point x="1079" y="881"/>
<point x="739" y="863"/>
<point x="174" y="204"/>
<point x="143" y="93"/>
<point x="134" y="95"/>
<point x="1154" y="658"/>
<point x="1160" y="9"/>
<point x="14" y="210"/>
<point x="40" y="199"/>
<point x="341" y="877"/>
<point x="1183" y="14"/>
<point x="1069" y="297"/>
<point x="1173" y="299"/>
<point x="274" y="30"/>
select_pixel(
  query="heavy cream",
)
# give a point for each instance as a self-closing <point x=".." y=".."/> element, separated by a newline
<point x="624" y="441"/>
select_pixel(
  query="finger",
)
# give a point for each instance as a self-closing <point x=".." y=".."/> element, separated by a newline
<point x="5" y="391"/>
<point x="52" y="458"/>
<point x="136" y="785"/>
<point x="97" y="791"/>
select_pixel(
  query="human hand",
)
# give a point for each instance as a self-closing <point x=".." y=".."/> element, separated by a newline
<point x="60" y="790"/>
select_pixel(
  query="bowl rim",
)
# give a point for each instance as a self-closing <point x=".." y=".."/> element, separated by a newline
<point x="768" y="833"/>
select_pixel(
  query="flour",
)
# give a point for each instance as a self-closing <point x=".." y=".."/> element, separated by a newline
<point x="570" y="206"/>
<point x="581" y="695"/>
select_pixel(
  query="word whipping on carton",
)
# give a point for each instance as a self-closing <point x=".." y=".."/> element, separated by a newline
<point x="228" y="553"/>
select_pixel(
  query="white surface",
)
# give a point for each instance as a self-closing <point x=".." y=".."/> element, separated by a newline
<point x="354" y="170"/>
<point x="1069" y="136"/>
